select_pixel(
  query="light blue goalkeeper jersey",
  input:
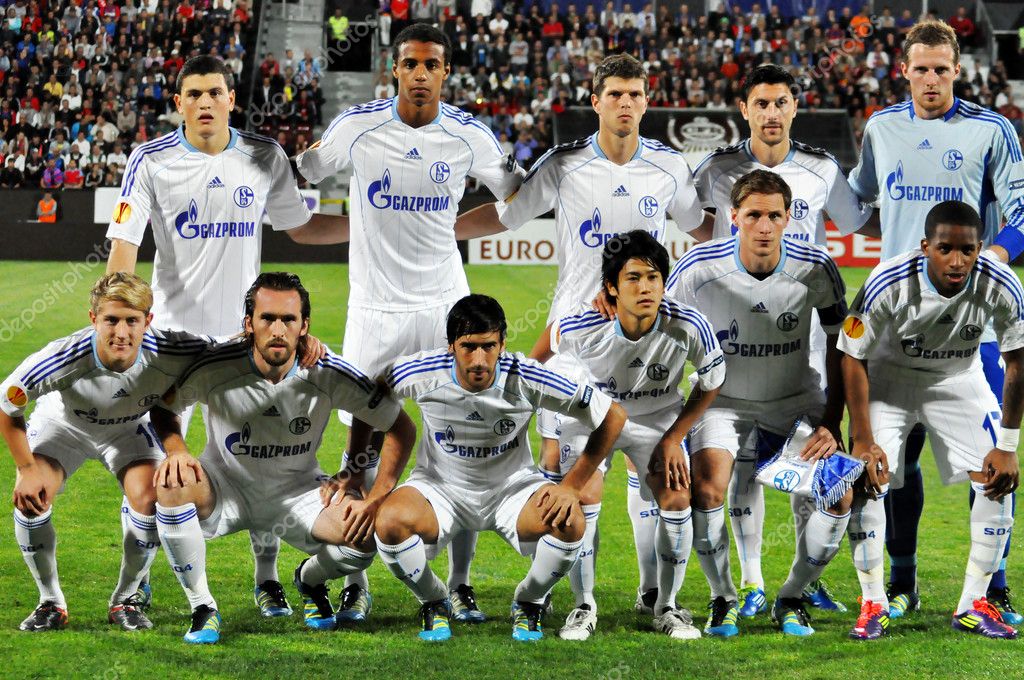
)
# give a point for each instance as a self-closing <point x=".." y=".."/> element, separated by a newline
<point x="908" y="165"/>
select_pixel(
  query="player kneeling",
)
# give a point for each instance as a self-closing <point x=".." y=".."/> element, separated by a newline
<point x="259" y="470"/>
<point x="95" y="389"/>
<point x="911" y="344"/>
<point x="474" y="469"/>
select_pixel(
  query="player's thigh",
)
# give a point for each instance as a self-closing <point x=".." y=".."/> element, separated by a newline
<point x="60" y="449"/>
<point x="519" y="518"/>
<point x="136" y="481"/>
<point x="962" y="420"/>
<point x="417" y="508"/>
<point x="133" y="456"/>
<point x="710" y="472"/>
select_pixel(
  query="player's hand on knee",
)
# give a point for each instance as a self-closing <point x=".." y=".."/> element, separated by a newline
<point x="30" y="491"/>
<point x="1002" y="473"/>
<point x="669" y="463"/>
<point x="822" y="444"/>
<point x="178" y="471"/>
<point x="603" y="306"/>
<point x="876" y="467"/>
<point x="357" y="518"/>
<point x="556" y="503"/>
<point x="330" y="486"/>
<point x="312" y="351"/>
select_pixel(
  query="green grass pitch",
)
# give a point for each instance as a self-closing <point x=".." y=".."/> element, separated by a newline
<point x="48" y="300"/>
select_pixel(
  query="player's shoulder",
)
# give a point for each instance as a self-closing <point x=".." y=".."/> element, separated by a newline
<point x="560" y="154"/>
<point x="220" y="362"/>
<point x="1001" y="276"/>
<point x="890" y="278"/>
<point x="332" y="367"/>
<point x="518" y="368"/>
<point x="809" y="255"/>
<point x="256" y="144"/>
<point x="153" y="151"/>
<point x="464" y="124"/>
<point x="681" y="322"/>
<point x="58" y="356"/>
<point x="430" y="366"/>
<point x="722" y="156"/>
<point x="360" y="117"/>
<point x="581" y="325"/>
<point x="160" y="341"/>
<point x="993" y="120"/>
<point x="813" y="154"/>
<point x="653" y="147"/>
<point x="702" y="256"/>
<point x="889" y="115"/>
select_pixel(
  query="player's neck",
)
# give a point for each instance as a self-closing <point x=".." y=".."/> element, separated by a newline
<point x="211" y="145"/>
<point x="769" y="156"/>
<point x="760" y="267"/>
<point x="923" y="114"/>
<point x="618" y="150"/>
<point x="273" y="374"/>
<point x="417" y="116"/>
<point x="635" y="327"/>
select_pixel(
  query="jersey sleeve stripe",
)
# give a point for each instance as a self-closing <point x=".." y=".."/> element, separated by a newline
<point x="57" y="358"/>
<point x="215" y="357"/>
<point x="400" y="373"/>
<point x="395" y="381"/>
<point x="129" y="180"/>
<point x="588" y="322"/>
<point x="984" y="115"/>
<point x="833" y="273"/>
<point x="348" y="369"/>
<point x="557" y="149"/>
<point x="674" y="311"/>
<point x="697" y="255"/>
<point x="82" y="354"/>
<point x="465" y="119"/>
<point x="534" y="371"/>
<point x="891" y="278"/>
<point x="881" y="276"/>
<point x="361" y="384"/>
<point x="369" y="107"/>
<point x="721" y="151"/>
<point x="518" y="368"/>
<point x="1009" y="281"/>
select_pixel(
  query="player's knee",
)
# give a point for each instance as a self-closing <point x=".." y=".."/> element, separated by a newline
<point x="142" y="498"/>
<point x="573" y="529"/>
<point x="708" y="497"/>
<point x="394" y="523"/>
<point x="171" y="497"/>
<point x="674" y="501"/>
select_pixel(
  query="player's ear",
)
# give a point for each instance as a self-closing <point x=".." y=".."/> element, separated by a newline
<point x="593" y="102"/>
<point x="92" y="317"/>
<point x="305" y="328"/>
<point x="247" y="325"/>
<point x="924" y="246"/>
<point x="743" y="109"/>
<point x="177" y="102"/>
<point x="149" y="320"/>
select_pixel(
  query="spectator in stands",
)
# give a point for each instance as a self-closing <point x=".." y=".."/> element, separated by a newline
<point x="73" y="178"/>
<point x="11" y="177"/>
<point x="338" y="27"/>
<point x="53" y="176"/>
<point x="964" y="27"/>
<point x="94" y="178"/>
<point x="46" y="209"/>
<point x="385" y="89"/>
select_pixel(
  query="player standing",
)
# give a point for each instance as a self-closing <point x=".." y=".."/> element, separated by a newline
<point x="911" y="342"/>
<point x="94" y="390"/>
<point x="474" y="469"/>
<point x="267" y="416"/>
<point x="762" y="291"/>
<point x="819" y="188"/>
<point x="610" y="183"/>
<point x="639" y="359"/>
<point x="916" y="154"/>
<point x="204" y="188"/>
<point x="410" y="158"/>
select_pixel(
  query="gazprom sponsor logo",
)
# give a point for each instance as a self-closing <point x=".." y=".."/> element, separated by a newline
<point x="237" y="444"/>
<point x="592" y="235"/>
<point x="380" y="197"/>
<point x="927" y="193"/>
<point x="446" y="442"/>
<point x="189" y="227"/>
<point x="727" y="339"/>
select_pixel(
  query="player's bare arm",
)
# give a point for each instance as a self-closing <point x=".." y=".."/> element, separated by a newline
<point x="179" y="468"/>
<point x="123" y="256"/>
<point x="669" y="459"/>
<point x="855" y="381"/>
<point x="827" y="438"/>
<point x="29" y="487"/>
<point x="478" y="222"/>
<point x="1001" y="468"/>
<point x="321" y="230"/>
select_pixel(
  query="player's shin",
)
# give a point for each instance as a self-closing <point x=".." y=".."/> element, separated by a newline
<point x="866" y="530"/>
<point x="141" y="543"/>
<point x="551" y="562"/>
<point x="674" y="542"/>
<point x="334" y="561"/>
<point x="991" y="523"/>
<point x="823" y="533"/>
<point x="408" y="562"/>
<point x="581" y="576"/>
<point x="265" y="548"/>
<point x="643" y="515"/>
<point x="461" y="551"/>
<point x="746" y="514"/>
<point x="711" y="540"/>
<point x="183" y="542"/>
<point x="38" y="541"/>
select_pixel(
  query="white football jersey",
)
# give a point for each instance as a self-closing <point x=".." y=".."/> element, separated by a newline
<point x="898" y="319"/>
<point x="72" y="385"/>
<point x="813" y="175"/>
<point x="477" y="440"/>
<point x="763" y="325"/>
<point x="644" y="375"/>
<point x="595" y="200"/>
<point x="207" y="214"/>
<point x="262" y="434"/>
<point x="908" y="165"/>
<point x="404" y="196"/>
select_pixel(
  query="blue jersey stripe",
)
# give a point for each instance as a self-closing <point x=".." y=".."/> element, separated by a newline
<point x="892" y="280"/>
<point x="517" y="368"/>
<point x="540" y="373"/>
<point x="707" y="336"/>
<point x="399" y="373"/>
<point x="398" y="368"/>
<point x="882" y="277"/>
<point x="824" y="262"/>
<point x="58" y="360"/>
<point x="582" y="326"/>
<point x="394" y="381"/>
<point x="129" y="180"/>
<point x="698" y="255"/>
<point x="256" y="138"/>
<point x="370" y="107"/>
<point x="348" y="369"/>
<point x="721" y="151"/>
<point x="1009" y="281"/>
<point x="574" y="145"/>
<point x="213" y="358"/>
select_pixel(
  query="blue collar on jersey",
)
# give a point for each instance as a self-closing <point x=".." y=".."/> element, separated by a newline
<point x="739" y="262"/>
<point x="96" y="354"/>
<point x="926" y="279"/>
<point x="497" y="376"/>
<point x="751" y="156"/>
<point x="394" y="112"/>
<point x="949" y="114"/>
<point x="184" y="142"/>
<point x="600" y="154"/>
<point x="618" y="328"/>
<point x="292" y="371"/>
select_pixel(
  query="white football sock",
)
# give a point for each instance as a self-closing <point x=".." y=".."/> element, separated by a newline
<point x="265" y="547"/>
<point x="38" y="541"/>
<point x="461" y="551"/>
<point x="185" y="547"/>
<point x="711" y="540"/>
<point x="551" y="561"/>
<point x="643" y="516"/>
<point x="820" y="542"/>
<point x="867" y="538"/>
<point x="369" y="477"/>
<point x="991" y="522"/>
<point x="674" y="542"/>
<point x="746" y="514"/>
<point x="408" y="561"/>
<point x="334" y="561"/>
<point x="581" y="576"/>
<point x="140" y="546"/>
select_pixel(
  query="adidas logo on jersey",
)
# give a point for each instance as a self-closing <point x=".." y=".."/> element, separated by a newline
<point x="120" y="393"/>
<point x="475" y="417"/>
<point x="620" y="192"/>
<point x="759" y="308"/>
<point x="947" y="319"/>
<point x="414" y="154"/>
<point x="272" y="411"/>
<point x="636" y="363"/>
<point x="924" y="146"/>
<point x="215" y="183"/>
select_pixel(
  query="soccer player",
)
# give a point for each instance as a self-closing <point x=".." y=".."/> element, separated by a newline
<point x="204" y="188"/>
<point x="267" y="417"/>
<point x="762" y="291"/>
<point x="819" y="188"/>
<point x="474" y="468"/>
<point x="911" y="343"/>
<point x="94" y="389"/>
<point x="916" y="154"/>
<point x="410" y="158"/>
<point x="639" y="359"/>
<point x="612" y="182"/>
